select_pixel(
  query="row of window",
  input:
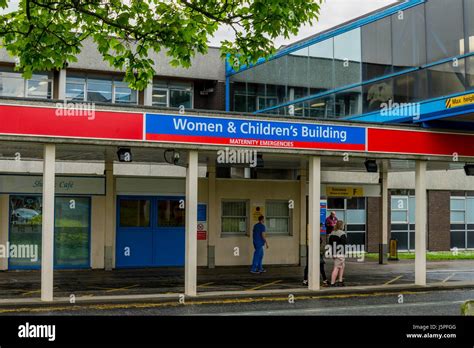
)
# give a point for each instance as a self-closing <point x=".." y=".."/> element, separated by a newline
<point x="424" y="84"/>
<point x="97" y="89"/>
<point x="409" y="39"/>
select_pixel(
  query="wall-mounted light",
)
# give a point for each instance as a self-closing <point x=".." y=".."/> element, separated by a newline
<point x="371" y="166"/>
<point x="469" y="169"/>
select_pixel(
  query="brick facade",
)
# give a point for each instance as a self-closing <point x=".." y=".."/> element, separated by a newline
<point x="374" y="223"/>
<point x="212" y="101"/>
<point x="439" y="229"/>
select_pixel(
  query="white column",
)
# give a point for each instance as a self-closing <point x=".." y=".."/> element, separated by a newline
<point x="190" y="266"/>
<point x="314" y="221"/>
<point x="110" y="209"/>
<point x="420" y="223"/>
<point x="303" y="220"/>
<point x="62" y="84"/>
<point x="384" y="241"/>
<point x="4" y="226"/>
<point x="47" y="248"/>
<point x="148" y="95"/>
<point x="212" y="216"/>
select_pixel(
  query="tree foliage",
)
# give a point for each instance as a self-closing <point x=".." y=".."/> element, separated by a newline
<point x="47" y="34"/>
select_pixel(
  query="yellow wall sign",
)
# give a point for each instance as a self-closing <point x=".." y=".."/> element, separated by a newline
<point x="460" y="101"/>
<point x="257" y="210"/>
<point x="335" y="191"/>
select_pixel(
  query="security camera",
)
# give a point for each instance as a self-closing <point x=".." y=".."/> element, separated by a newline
<point x="172" y="156"/>
<point x="175" y="158"/>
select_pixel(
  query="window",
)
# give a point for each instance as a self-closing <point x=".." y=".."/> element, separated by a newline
<point x="39" y="86"/>
<point x="376" y="49"/>
<point x="353" y="212"/>
<point x="347" y="58"/>
<point x="462" y="222"/>
<point x="403" y="221"/>
<point x="99" y="89"/>
<point x="409" y="38"/>
<point x="321" y="66"/>
<point x="75" y="88"/>
<point x="71" y="231"/>
<point x="399" y="209"/>
<point x="348" y="103"/>
<point x="12" y="84"/>
<point x="124" y="94"/>
<point x="377" y="94"/>
<point x="234" y="217"/>
<point x="411" y="87"/>
<point x="134" y="213"/>
<point x="298" y="77"/>
<point x="446" y="79"/>
<point x="469" y="23"/>
<point x="278" y="217"/>
<point x="444" y="42"/>
<point x="321" y="107"/>
<point x="170" y="214"/>
<point x="175" y="95"/>
<point x="160" y="97"/>
<point x="470" y="71"/>
<point x="180" y="97"/>
<point x="25" y="228"/>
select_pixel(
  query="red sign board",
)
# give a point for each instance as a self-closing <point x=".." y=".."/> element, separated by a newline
<point x="62" y="122"/>
<point x="201" y="235"/>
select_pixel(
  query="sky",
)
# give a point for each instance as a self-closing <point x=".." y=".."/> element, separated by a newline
<point x="333" y="12"/>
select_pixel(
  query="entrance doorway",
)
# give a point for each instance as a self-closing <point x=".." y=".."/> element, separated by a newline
<point x="150" y="231"/>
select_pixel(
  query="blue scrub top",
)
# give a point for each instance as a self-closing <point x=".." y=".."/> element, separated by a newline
<point x="258" y="229"/>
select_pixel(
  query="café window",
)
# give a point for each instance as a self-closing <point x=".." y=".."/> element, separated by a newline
<point x="71" y="231"/>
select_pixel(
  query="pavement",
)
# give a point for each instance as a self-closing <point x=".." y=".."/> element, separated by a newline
<point x="23" y="287"/>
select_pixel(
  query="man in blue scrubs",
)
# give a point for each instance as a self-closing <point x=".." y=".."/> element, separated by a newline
<point x="259" y="241"/>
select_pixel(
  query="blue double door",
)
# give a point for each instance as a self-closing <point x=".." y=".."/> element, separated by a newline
<point x="150" y="231"/>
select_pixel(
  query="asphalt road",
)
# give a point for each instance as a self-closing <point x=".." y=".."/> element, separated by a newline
<point x="438" y="303"/>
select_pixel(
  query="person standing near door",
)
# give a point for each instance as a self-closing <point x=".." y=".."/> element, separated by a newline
<point x="330" y="223"/>
<point x="259" y="241"/>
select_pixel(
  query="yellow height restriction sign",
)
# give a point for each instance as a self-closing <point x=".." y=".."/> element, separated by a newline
<point x="460" y="101"/>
